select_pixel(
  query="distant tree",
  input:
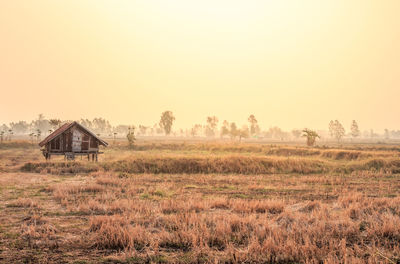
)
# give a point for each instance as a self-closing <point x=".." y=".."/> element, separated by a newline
<point x="38" y="134"/>
<point x="296" y="133"/>
<point x="55" y="123"/>
<point x="41" y="123"/>
<point x="355" y="132"/>
<point x="243" y="133"/>
<point x="1" y="136"/>
<point x="20" y="127"/>
<point x="10" y="134"/>
<point x="86" y="123"/>
<point x="166" y="121"/>
<point x="4" y="128"/>
<point x="211" y="127"/>
<point x="101" y="125"/>
<point x="332" y="128"/>
<point x="32" y="135"/>
<point x="194" y="131"/>
<point x="371" y="133"/>
<point x="276" y="133"/>
<point x="254" y="128"/>
<point x="121" y="129"/>
<point x="311" y="136"/>
<point x="387" y="133"/>
<point x="143" y="129"/>
<point x="338" y="130"/>
<point x="131" y="136"/>
<point x="157" y="129"/>
<point x="233" y="132"/>
<point x="225" y="129"/>
<point x="395" y="133"/>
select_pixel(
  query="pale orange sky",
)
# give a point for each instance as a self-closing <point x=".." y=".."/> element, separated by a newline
<point x="293" y="64"/>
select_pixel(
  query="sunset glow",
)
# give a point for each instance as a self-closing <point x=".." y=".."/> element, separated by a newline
<point x="293" y="64"/>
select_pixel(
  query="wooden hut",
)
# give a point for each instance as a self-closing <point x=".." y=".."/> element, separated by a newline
<point x="70" y="140"/>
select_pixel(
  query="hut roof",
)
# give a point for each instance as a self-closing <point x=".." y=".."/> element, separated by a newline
<point x="67" y="126"/>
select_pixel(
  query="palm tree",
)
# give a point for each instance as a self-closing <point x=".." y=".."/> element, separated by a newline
<point x="311" y="136"/>
<point x="10" y="133"/>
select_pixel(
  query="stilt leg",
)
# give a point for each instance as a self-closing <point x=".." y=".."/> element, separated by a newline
<point x="96" y="157"/>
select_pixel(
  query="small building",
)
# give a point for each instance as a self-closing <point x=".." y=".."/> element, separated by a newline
<point x="70" y="140"/>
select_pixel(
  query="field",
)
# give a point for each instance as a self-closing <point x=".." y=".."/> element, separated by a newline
<point x="202" y="203"/>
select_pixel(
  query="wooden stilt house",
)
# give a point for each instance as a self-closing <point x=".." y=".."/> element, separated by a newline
<point x="70" y="140"/>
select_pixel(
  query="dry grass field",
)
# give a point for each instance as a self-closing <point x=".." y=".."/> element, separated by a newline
<point x="202" y="203"/>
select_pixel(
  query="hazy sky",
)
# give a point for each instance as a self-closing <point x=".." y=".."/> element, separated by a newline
<point x="293" y="64"/>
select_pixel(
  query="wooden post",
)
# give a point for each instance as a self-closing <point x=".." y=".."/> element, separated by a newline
<point x="88" y="157"/>
<point x="96" y="157"/>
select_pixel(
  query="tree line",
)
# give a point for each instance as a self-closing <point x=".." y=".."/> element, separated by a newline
<point x="211" y="128"/>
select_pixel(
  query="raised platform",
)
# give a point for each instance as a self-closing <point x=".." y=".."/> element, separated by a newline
<point x="71" y="155"/>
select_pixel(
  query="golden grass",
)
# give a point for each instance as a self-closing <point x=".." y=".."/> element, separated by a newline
<point x="226" y="204"/>
<point x="180" y="217"/>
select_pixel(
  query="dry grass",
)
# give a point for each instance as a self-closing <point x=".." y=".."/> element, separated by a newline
<point x="181" y="218"/>
<point x="223" y="165"/>
<point x="228" y="204"/>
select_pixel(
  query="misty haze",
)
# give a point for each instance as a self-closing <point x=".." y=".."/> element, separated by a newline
<point x="199" y="131"/>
